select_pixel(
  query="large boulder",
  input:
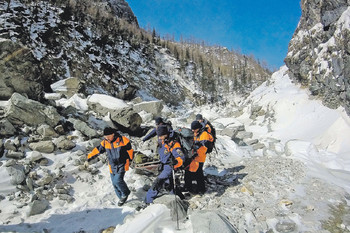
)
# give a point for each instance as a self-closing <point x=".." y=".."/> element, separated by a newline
<point x="119" y="111"/>
<point x="19" y="71"/>
<point x="21" y="110"/>
<point x="154" y="107"/>
<point x="84" y="128"/>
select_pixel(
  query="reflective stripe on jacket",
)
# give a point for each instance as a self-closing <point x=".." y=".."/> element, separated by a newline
<point x="166" y="151"/>
<point x="119" y="153"/>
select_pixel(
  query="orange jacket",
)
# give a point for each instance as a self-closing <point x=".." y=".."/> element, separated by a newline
<point x="119" y="153"/>
<point x="200" y="142"/>
<point x="174" y="149"/>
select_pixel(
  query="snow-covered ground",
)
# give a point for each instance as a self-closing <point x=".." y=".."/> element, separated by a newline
<point x="287" y="188"/>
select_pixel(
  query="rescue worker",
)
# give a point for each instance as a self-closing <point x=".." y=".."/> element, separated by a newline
<point x="159" y="121"/>
<point x="119" y="153"/>
<point x="205" y="123"/>
<point x="202" y="140"/>
<point x="171" y="157"/>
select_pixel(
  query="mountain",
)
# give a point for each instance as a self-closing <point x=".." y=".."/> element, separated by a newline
<point x="319" y="53"/>
<point x="101" y="44"/>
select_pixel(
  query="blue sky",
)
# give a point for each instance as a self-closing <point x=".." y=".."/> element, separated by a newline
<point x="261" y="28"/>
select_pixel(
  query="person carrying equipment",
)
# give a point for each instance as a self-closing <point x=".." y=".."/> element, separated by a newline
<point x="159" y="121"/>
<point x="195" y="171"/>
<point x="206" y="125"/>
<point x="119" y="154"/>
<point x="171" y="157"/>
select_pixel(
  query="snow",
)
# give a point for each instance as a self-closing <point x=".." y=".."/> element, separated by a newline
<point x="311" y="133"/>
<point x="107" y="101"/>
<point x="75" y="101"/>
<point x="159" y="217"/>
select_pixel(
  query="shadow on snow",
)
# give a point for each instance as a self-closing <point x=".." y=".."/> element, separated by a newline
<point x="93" y="220"/>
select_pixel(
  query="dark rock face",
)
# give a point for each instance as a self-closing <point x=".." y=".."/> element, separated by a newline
<point x="319" y="52"/>
<point x="18" y="71"/>
<point x="123" y="10"/>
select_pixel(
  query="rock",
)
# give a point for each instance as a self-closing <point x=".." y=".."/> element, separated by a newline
<point x="68" y="87"/>
<point x="46" y="131"/>
<point x="16" y="173"/>
<point x="207" y="221"/>
<point x="154" y="107"/>
<point x="10" y="145"/>
<point x="47" y="179"/>
<point x="64" y="144"/>
<point x="34" y="156"/>
<point x="43" y="147"/>
<point x="256" y="111"/>
<point x="120" y="112"/>
<point x="15" y="155"/>
<point x="6" y="128"/>
<point x="44" y="162"/>
<point x="128" y="93"/>
<point x="60" y="129"/>
<point x="1" y="148"/>
<point x="243" y="135"/>
<point x="258" y="146"/>
<point x="19" y="71"/>
<point x="38" y="207"/>
<point x="84" y="128"/>
<point x="232" y="130"/>
<point x="21" y="110"/>
<point x="66" y="197"/>
<point x="250" y="142"/>
<point x="324" y="73"/>
<point x="109" y="230"/>
<point x="29" y="183"/>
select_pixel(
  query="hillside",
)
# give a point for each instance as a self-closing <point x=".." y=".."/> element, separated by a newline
<point x="109" y="53"/>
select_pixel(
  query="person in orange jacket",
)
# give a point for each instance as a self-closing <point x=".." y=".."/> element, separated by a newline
<point x="207" y="126"/>
<point x="171" y="157"/>
<point x="119" y="154"/>
<point x="202" y="139"/>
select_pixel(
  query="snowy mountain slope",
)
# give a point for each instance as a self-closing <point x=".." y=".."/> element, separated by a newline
<point x="109" y="55"/>
<point x="295" y="179"/>
<point x="283" y="186"/>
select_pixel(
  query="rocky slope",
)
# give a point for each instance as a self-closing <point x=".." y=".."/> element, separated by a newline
<point x="100" y="44"/>
<point x="319" y="52"/>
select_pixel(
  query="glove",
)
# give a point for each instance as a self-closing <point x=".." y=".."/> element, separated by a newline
<point x="177" y="163"/>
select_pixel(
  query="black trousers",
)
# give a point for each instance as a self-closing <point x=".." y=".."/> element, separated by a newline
<point x="198" y="176"/>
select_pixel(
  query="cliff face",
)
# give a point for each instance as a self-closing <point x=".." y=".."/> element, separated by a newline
<point x="123" y="10"/>
<point x="319" y="52"/>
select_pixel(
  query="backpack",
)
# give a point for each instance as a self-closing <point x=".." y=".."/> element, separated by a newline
<point x="210" y="145"/>
<point x="186" y="139"/>
<point x="213" y="131"/>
